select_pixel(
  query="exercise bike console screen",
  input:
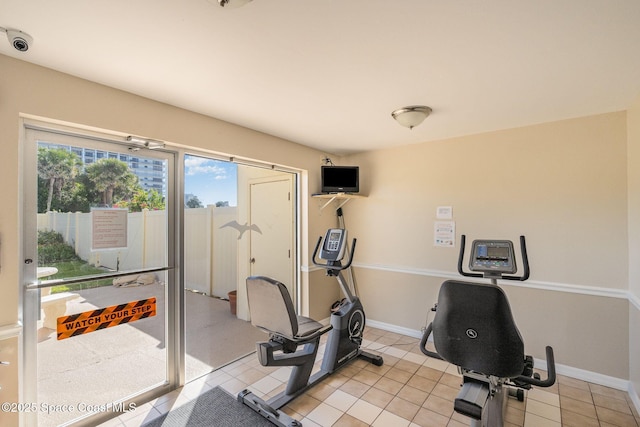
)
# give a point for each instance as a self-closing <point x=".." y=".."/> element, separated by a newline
<point x="333" y="244"/>
<point x="492" y="256"/>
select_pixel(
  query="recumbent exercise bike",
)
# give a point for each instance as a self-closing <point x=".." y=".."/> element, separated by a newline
<point x="474" y="329"/>
<point x="272" y="311"/>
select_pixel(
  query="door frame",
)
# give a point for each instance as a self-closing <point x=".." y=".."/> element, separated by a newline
<point x="176" y="300"/>
<point x="28" y="309"/>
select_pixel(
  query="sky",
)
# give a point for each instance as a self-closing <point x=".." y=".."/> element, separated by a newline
<point x="211" y="180"/>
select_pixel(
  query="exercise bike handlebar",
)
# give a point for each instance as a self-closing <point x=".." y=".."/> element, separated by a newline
<point x="337" y="265"/>
<point x="423" y="344"/>
<point x="551" y="373"/>
<point x="525" y="262"/>
<point x="524" y="379"/>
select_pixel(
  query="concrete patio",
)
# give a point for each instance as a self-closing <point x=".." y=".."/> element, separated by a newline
<point x="109" y="364"/>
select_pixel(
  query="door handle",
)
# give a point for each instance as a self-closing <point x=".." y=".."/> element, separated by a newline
<point x="252" y="260"/>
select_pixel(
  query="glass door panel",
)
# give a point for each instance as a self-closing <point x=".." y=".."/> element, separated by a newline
<point x="219" y="244"/>
<point x="98" y="233"/>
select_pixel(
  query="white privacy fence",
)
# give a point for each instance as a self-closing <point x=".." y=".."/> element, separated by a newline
<point x="210" y="249"/>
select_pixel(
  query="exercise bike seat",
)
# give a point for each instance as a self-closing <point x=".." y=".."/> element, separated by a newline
<point x="272" y="311"/>
<point x="474" y="329"/>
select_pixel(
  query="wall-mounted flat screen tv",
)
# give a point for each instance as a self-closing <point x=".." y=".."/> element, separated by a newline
<point x="340" y="179"/>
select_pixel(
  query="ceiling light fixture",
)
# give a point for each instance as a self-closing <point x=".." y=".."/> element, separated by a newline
<point x="411" y="116"/>
<point x="151" y="144"/>
<point x="232" y="4"/>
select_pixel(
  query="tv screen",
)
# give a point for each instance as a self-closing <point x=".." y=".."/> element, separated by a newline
<point x="340" y="179"/>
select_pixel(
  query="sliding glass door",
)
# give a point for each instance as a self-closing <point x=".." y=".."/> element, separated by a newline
<point x="239" y="221"/>
<point x="100" y="284"/>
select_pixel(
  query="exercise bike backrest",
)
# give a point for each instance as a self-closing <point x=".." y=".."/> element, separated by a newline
<point x="334" y="245"/>
<point x="473" y="326"/>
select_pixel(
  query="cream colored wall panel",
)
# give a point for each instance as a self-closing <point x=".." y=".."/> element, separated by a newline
<point x="561" y="184"/>
<point x="27" y="90"/>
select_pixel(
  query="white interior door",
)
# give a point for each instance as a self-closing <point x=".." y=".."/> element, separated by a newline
<point x="272" y="248"/>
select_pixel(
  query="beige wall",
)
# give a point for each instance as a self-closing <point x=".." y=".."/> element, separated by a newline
<point x="563" y="185"/>
<point x="32" y="90"/>
<point x="633" y="132"/>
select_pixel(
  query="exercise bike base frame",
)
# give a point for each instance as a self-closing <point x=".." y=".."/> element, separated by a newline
<point x="276" y="417"/>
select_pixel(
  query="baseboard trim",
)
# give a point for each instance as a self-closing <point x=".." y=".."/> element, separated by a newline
<point x="569" y="371"/>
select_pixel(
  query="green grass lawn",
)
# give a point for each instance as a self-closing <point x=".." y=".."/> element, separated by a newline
<point x="77" y="268"/>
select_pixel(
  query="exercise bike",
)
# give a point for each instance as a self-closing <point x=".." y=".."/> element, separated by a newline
<point x="474" y="329"/>
<point x="294" y="340"/>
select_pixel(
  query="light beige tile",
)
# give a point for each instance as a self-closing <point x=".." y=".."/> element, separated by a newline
<point x="422" y="383"/>
<point x="543" y="410"/>
<point x="612" y="403"/>
<point x="367" y="377"/>
<point x="364" y="411"/>
<point x="408" y="366"/>
<point x="321" y="391"/>
<point x="398" y="375"/>
<point x="454" y="381"/>
<point x="340" y="400"/>
<point x="572" y="382"/>
<point x="514" y="415"/>
<point x="252" y="375"/>
<point x="543" y="396"/>
<point x="389" y="385"/>
<point x="413" y="395"/>
<point x="616" y="418"/>
<point x="533" y="420"/>
<point x="402" y="408"/>
<point x="355" y="388"/>
<point x="304" y="404"/>
<point x="429" y="373"/>
<point x="324" y="414"/>
<point x="445" y="392"/>
<point x="439" y="405"/>
<point x="388" y="419"/>
<point x="377" y="397"/>
<point x="608" y="391"/>
<point x="576" y="393"/>
<point x="428" y="418"/>
<point x="335" y="380"/>
<point x="574" y="419"/>
<point x="578" y="407"/>
<point x="380" y="370"/>
<point x="438" y="364"/>
<point x="347" y="420"/>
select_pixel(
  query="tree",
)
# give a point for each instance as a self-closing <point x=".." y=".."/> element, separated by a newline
<point x="194" y="202"/>
<point x="141" y="199"/>
<point x="111" y="176"/>
<point x="56" y="167"/>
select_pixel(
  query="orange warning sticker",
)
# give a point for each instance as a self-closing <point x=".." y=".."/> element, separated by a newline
<point x="101" y="318"/>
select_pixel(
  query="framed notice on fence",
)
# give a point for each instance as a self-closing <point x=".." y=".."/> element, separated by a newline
<point x="109" y="228"/>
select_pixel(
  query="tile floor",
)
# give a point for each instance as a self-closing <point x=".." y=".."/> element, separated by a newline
<point x="408" y="390"/>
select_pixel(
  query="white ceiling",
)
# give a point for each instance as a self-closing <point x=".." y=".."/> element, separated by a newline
<point x="328" y="73"/>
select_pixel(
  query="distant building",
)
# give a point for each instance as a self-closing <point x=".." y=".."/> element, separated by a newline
<point x="151" y="173"/>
